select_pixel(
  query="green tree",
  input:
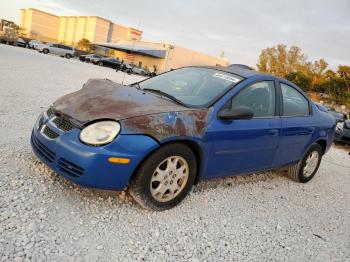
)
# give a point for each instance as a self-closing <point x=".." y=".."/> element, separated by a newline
<point x="344" y="74"/>
<point x="300" y="79"/>
<point x="280" y="61"/>
<point x="84" y="44"/>
<point x="292" y="64"/>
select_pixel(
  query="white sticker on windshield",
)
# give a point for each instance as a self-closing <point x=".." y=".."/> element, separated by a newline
<point x="226" y="77"/>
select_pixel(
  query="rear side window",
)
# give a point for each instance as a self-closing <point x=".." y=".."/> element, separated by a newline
<point x="294" y="103"/>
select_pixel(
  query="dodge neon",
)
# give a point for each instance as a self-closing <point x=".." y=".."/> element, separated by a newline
<point x="159" y="136"/>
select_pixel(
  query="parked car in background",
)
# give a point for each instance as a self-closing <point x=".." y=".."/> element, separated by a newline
<point x="82" y="57"/>
<point x="139" y="71"/>
<point x="93" y="57"/>
<point x="160" y="136"/>
<point x="57" y="49"/>
<point x="33" y="44"/>
<point x="339" y="117"/>
<point x="21" y="43"/>
<point x="108" y="62"/>
<point x="125" y="67"/>
<point x="132" y="69"/>
<point x="342" y="132"/>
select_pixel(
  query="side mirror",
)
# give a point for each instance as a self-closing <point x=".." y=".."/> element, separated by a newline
<point x="239" y="112"/>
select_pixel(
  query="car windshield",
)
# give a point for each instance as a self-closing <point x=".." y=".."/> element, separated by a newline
<point x="193" y="86"/>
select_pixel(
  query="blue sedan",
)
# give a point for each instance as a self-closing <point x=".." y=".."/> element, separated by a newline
<point x="160" y="136"/>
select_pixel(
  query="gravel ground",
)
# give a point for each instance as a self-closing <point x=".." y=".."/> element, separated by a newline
<point x="262" y="216"/>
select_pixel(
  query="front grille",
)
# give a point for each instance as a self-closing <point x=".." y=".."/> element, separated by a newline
<point x="70" y="168"/>
<point x="64" y="125"/>
<point x="50" y="133"/>
<point x="46" y="153"/>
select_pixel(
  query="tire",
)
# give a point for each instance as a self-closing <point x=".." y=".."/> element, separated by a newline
<point x="87" y="60"/>
<point x="45" y="51"/>
<point x="299" y="171"/>
<point x="68" y="56"/>
<point x="100" y="63"/>
<point x="144" y="192"/>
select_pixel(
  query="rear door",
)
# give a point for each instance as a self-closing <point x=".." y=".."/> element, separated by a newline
<point x="61" y="50"/>
<point x="297" y="125"/>
<point x="54" y="49"/>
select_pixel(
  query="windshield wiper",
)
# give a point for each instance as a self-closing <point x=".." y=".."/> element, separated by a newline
<point x="136" y="84"/>
<point x="160" y="92"/>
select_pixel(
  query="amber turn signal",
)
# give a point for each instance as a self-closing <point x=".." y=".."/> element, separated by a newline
<point x="119" y="160"/>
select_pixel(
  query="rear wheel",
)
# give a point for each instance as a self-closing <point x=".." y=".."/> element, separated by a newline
<point x="68" y="56"/>
<point x="305" y="169"/>
<point x="164" y="178"/>
<point x="100" y="63"/>
<point x="46" y="51"/>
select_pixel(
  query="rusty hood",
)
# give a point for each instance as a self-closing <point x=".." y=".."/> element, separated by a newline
<point x="104" y="99"/>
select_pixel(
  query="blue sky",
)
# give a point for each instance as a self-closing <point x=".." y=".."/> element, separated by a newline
<point x="239" y="28"/>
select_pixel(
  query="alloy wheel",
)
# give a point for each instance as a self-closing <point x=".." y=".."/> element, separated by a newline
<point x="169" y="178"/>
<point x="311" y="163"/>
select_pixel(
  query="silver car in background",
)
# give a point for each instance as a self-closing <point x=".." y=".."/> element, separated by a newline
<point x="33" y="44"/>
<point x="57" y="49"/>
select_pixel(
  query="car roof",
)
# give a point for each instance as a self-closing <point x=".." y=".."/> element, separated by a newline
<point x="238" y="70"/>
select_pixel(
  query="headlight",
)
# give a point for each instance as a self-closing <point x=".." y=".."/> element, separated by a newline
<point x="41" y="119"/>
<point x="100" y="133"/>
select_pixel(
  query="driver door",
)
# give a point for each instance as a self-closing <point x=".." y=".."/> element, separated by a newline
<point x="246" y="145"/>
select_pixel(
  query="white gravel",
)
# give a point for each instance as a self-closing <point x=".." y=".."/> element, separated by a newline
<point x="255" y="217"/>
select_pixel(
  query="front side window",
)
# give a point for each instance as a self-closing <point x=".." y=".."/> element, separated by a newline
<point x="259" y="97"/>
<point x="294" y="103"/>
<point x="193" y="86"/>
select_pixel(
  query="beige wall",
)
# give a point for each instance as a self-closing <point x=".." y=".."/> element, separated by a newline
<point x="90" y="28"/>
<point x="101" y="30"/>
<point x="119" y="32"/>
<point x="176" y="56"/>
<point x="71" y="29"/>
<point x="39" y="25"/>
<point x="179" y="57"/>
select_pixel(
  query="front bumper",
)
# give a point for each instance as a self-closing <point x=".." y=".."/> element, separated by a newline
<point x="87" y="165"/>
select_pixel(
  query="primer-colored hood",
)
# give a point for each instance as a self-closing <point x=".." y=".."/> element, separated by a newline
<point x="102" y="98"/>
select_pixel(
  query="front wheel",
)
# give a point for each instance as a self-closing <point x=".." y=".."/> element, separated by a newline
<point x="164" y="178"/>
<point x="68" y="56"/>
<point x="45" y="51"/>
<point x="305" y="169"/>
<point x="100" y="63"/>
